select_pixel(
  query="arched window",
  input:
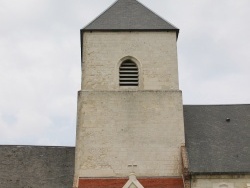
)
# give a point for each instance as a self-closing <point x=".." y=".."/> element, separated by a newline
<point x="128" y="74"/>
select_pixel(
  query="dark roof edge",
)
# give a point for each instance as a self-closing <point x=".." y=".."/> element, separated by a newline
<point x="216" y="104"/>
<point x="120" y="30"/>
<point x="220" y="173"/>
<point x="22" y="146"/>
<point x="131" y="30"/>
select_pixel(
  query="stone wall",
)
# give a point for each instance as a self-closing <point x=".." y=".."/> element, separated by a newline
<point x="154" y="52"/>
<point x="119" y="129"/>
<point x="220" y="181"/>
<point x="129" y="129"/>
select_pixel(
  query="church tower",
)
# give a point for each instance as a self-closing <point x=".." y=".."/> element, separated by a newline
<point x="130" y="114"/>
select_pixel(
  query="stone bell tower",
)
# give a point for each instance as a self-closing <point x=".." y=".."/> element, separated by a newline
<point x="130" y="111"/>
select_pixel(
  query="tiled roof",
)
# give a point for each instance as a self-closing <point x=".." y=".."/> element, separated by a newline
<point x="36" y="166"/>
<point x="218" y="138"/>
<point x="129" y="15"/>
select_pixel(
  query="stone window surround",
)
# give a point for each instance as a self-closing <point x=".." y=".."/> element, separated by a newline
<point x="117" y="75"/>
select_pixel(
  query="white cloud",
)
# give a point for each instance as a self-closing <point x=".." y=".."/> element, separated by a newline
<point x="40" y="60"/>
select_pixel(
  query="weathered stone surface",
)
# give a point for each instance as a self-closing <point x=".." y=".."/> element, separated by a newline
<point x="154" y="52"/>
<point x="129" y="129"/>
<point x="36" y="167"/>
<point x="117" y="129"/>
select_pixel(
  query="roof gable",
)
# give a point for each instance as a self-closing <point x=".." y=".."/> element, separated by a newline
<point x="129" y="15"/>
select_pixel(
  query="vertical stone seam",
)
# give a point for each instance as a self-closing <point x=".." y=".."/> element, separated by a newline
<point x="185" y="168"/>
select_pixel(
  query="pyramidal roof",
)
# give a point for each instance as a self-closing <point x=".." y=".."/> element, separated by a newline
<point x="129" y="15"/>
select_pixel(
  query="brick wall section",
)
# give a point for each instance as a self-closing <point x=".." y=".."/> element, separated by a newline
<point x="119" y="183"/>
<point x="102" y="183"/>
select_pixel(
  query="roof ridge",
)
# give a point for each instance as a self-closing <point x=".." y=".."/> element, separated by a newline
<point x="216" y="104"/>
<point x="47" y="146"/>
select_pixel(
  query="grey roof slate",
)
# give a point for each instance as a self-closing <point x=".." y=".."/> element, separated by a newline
<point x="129" y="15"/>
<point x="215" y="145"/>
<point x="36" y="166"/>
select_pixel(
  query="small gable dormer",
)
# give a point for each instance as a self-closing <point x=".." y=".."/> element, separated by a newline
<point x="132" y="182"/>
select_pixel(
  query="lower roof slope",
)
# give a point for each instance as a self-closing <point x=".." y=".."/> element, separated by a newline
<point x="36" y="167"/>
<point x="218" y="138"/>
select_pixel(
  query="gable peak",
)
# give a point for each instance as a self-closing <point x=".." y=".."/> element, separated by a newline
<point x="132" y="182"/>
<point x="129" y="15"/>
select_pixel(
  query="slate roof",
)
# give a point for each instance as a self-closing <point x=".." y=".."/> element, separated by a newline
<point x="129" y="15"/>
<point x="215" y="145"/>
<point x="36" y="166"/>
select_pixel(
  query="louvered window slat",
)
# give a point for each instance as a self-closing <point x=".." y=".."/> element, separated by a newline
<point x="128" y="74"/>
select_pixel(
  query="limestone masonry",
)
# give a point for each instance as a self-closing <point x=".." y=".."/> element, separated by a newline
<point x="155" y="54"/>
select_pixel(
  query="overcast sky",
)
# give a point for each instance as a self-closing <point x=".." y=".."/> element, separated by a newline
<point x="40" y="60"/>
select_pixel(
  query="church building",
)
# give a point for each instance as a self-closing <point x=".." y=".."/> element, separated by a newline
<point x="133" y="130"/>
<point x="130" y="112"/>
